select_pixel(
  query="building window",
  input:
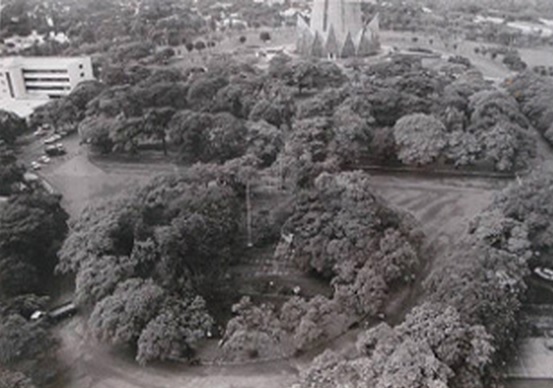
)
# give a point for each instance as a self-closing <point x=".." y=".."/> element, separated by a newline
<point x="82" y="75"/>
<point x="46" y="79"/>
<point x="81" y="66"/>
<point x="48" y="88"/>
<point x="10" y="86"/>
<point x="51" y="71"/>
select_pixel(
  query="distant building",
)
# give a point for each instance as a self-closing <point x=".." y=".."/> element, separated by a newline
<point x="270" y="2"/>
<point x="16" y="43"/>
<point x="336" y="30"/>
<point x="29" y="78"/>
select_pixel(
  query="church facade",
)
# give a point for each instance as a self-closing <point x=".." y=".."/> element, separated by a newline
<point x="336" y="30"/>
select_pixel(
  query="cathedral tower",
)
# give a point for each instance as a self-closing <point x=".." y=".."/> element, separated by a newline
<point x="336" y="30"/>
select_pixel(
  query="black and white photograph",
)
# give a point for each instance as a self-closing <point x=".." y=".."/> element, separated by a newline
<point x="276" y="193"/>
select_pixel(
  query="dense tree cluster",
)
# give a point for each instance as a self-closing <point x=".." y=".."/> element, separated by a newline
<point x="469" y="322"/>
<point x="11" y="173"/>
<point x="32" y="228"/>
<point x="68" y="111"/>
<point x="26" y="347"/>
<point x="11" y="126"/>
<point x="321" y="118"/>
<point x="143" y="262"/>
<point x="534" y="93"/>
<point x="433" y="347"/>
<point x="344" y="233"/>
<point x="96" y="26"/>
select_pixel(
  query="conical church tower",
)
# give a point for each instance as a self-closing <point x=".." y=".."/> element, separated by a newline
<point x="337" y="26"/>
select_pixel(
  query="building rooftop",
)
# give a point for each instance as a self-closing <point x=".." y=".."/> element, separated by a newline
<point x="31" y="61"/>
<point x="22" y="108"/>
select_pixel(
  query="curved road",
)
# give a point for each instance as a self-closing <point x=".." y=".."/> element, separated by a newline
<point x="442" y="206"/>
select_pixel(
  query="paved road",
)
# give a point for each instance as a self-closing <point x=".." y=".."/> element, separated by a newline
<point x="443" y="205"/>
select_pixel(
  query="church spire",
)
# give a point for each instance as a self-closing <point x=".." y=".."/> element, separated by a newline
<point x="335" y="25"/>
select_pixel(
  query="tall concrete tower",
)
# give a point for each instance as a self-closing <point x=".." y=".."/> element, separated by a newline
<point x="336" y="30"/>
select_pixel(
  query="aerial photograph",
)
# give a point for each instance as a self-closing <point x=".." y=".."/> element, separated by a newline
<point x="276" y="193"/>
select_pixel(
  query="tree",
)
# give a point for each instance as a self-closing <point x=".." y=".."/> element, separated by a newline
<point x="420" y="138"/>
<point x="175" y="330"/>
<point x="264" y="36"/>
<point x="187" y="130"/>
<point x="352" y="135"/>
<point x="156" y="122"/>
<point x="21" y="339"/>
<point x="11" y="379"/>
<point x="264" y="141"/>
<point x="120" y="318"/>
<point x="236" y="98"/>
<point x="199" y="46"/>
<point x="96" y="131"/>
<point x="226" y="139"/>
<point x="203" y="90"/>
<point x="254" y="332"/>
<point x="190" y="46"/>
<point x="242" y="39"/>
<point x="11" y="126"/>
<point x="32" y="227"/>
<point x="10" y="172"/>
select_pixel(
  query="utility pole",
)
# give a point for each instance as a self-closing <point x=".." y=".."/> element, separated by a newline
<point x="249" y="213"/>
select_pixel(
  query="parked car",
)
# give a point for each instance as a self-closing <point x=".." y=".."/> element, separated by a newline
<point x="50" y="140"/>
<point x="55" y="150"/>
<point x="544" y="273"/>
<point x="38" y="314"/>
<point x="36" y="165"/>
<point x="64" y="311"/>
<point x="44" y="159"/>
<point x="56" y="314"/>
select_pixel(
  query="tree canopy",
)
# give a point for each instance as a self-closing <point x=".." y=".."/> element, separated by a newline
<point x="143" y="261"/>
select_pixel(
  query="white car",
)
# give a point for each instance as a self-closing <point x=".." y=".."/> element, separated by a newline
<point x="56" y="137"/>
<point x="37" y="315"/>
<point x="50" y="140"/>
<point x="44" y="159"/>
<point x="35" y="165"/>
<point x="544" y="273"/>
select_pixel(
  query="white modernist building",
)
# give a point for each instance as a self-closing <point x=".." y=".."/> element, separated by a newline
<point x="32" y="78"/>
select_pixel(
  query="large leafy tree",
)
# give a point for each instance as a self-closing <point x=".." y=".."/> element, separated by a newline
<point x="420" y="138"/>
<point x="21" y="339"/>
<point x="11" y="379"/>
<point x="32" y="228"/>
<point x="11" y="126"/>
<point x="10" y="172"/>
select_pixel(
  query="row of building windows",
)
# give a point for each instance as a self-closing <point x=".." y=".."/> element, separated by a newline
<point x="50" y="71"/>
<point x="52" y="88"/>
<point x="34" y="79"/>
